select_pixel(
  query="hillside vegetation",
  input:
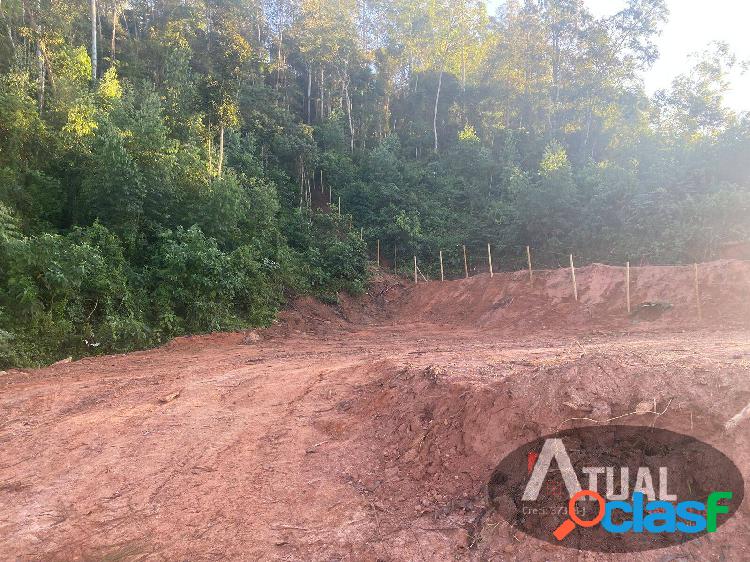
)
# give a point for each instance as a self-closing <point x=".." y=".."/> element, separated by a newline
<point x="166" y="167"/>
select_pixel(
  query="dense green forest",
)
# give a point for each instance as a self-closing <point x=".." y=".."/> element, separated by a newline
<point x="166" y="167"/>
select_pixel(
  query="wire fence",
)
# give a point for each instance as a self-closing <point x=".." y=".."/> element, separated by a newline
<point x="461" y="261"/>
<point x="512" y="257"/>
<point x="469" y="261"/>
<point x="398" y="256"/>
<point x="399" y="259"/>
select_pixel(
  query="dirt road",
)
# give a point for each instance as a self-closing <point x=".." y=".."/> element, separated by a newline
<point x="346" y="434"/>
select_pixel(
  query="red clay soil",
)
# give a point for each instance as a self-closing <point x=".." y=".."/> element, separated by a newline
<point x="369" y="430"/>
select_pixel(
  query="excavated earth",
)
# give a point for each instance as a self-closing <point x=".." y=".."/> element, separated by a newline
<point x="369" y="430"/>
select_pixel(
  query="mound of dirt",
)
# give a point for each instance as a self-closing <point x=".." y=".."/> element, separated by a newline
<point x="442" y="434"/>
<point x="309" y="315"/>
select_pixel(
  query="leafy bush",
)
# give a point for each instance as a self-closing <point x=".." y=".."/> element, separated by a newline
<point x="192" y="285"/>
<point x="331" y="257"/>
<point x="69" y="295"/>
<point x="197" y="287"/>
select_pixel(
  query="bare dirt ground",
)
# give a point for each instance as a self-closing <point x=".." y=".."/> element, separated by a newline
<point x="367" y="431"/>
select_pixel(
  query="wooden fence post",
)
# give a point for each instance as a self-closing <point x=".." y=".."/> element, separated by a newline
<point x="395" y="268"/>
<point x="378" y="253"/>
<point x="627" y="285"/>
<point x="415" y="270"/>
<point x="489" y="259"/>
<point x="466" y="264"/>
<point x="442" y="277"/>
<point x="528" y="258"/>
<point x="573" y="273"/>
<point x="361" y="232"/>
<point x="697" y="293"/>
<point x="339" y="205"/>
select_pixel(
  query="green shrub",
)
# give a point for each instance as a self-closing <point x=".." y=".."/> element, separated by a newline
<point x="69" y="295"/>
<point x="191" y="284"/>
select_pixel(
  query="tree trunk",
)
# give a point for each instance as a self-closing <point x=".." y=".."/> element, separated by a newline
<point x="556" y="60"/>
<point x="40" y="49"/>
<point x="463" y="84"/>
<point x="301" y="167"/>
<point x="40" y="79"/>
<point x="589" y="118"/>
<point x="94" y="58"/>
<point x="278" y="60"/>
<point x="210" y="152"/>
<point x="434" y="115"/>
<point x="348" y="102"/>
<point x="322" y="95"/>
<point x="221" y="150"/>
<point x="12" y="42"/>
<point x="387" y="115"/>
<point x="309" y="92"/>
<point x="40" y="57"/>
<point x="363" y="19"/>
<point x="99" y="28"/>
<point x="114" y="33"/>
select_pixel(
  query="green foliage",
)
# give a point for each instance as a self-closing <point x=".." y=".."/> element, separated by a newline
<point x="332" y="258"/>
<point x="9" y="225"/>
<point x="186" y="190"/>
<point x="112" y="189"/>
<point x="21" y="129"/>
<point x="193" y="284"/>
<point x="68" y="295"/>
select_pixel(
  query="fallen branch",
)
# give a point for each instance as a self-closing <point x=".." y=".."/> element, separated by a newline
<point x="388" y="288"/>
<point x="169" y="397"/>
<point x="637" y="412"/>
<point x="312" y="449"/>
<point x="735" y="421"/>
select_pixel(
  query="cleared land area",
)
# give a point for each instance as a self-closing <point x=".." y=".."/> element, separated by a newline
<point x="368" y="431"/>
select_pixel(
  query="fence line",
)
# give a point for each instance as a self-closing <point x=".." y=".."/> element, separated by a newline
<point x="627" y="285"/>
<point x="573" y="275"/>
<point x="528" y="257"/>
<point x="697" y="293"/>
<point x="465" y="254"/>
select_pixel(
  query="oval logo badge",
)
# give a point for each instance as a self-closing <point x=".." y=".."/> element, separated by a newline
<point x="616" y="488"/>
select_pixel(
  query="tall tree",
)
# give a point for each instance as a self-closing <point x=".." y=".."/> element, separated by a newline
<point x="94" y="35"/>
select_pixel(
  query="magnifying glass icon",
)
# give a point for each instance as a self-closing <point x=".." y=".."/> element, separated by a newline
<point x="569" y="524"/>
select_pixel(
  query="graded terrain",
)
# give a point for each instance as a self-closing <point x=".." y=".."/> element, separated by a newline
<point x="368" y="430"/>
